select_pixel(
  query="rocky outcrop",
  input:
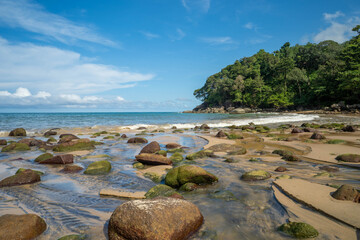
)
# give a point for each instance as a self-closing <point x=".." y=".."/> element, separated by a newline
<point x="137" y="140"/>
<point x="153" y="159"/>
<point x="26" y="226"/>
<point x="155" y="219"/>
<point x="59" y="159"/>
<point x="27" y="176"/>
<point x="152" y="147"/>
<point x="18" y="132"/>
<point x="349" y="158"/>
<point x="348" y="193"/>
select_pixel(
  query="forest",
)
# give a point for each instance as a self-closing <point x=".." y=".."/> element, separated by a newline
<point x="310" y="76"/>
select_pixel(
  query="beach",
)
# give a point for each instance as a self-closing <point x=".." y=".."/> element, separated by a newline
<point x="80" y="203"/>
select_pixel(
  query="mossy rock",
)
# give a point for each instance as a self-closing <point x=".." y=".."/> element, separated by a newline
<point x="43" y="157"/>
<point x="51" y="140"/>
<point x="178" y="131"/>
<point x="74" y="237"/>
<point x="153" y="177"/>
<point x="335" y="141"/>
<point x="109" y="137"/>
<point x="223" y="194"/>
<point x="98" y="168"/>
<point x="74" y="147"/>
<point x="160" y="190"/>
<point x="299" y="230"/>
<point x="15" y="147"/>
<point x="176" y="150"/>
<point x="200" y="154"/>
<point x="234" y="136"/>
<point x="284" y="176"/>
<point x="282" y="152"/>
<point x="176" y="157"/>
<point x="138" y="165"/>
<point x="348" y="158"/>
<point x="255" y="175"/>
<point x="291" y="158"/>
<point x="188" y="187"/>
<point x="324" y="174"/>
<point x="20" y="170"/>
<point x="96" y="156"/>
<point x="18" y="132"/>
<point x="231" y="160"/>
<point x="254" y="160"/>
<point x="162" y="152"/>
<point x="178" y="176"/>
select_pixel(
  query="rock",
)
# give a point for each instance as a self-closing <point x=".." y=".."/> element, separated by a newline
<point x="72" y="169"/>
<point x="15" y="147"/>
<point x="204" y="127"/>
<point x="187" y="187"/>
<point x="153" y="159"/>
<point x="26" y="177"/>
<point x="75" y="145"/>
<point x="50" y="133"/>
<point x="349" y="128"/>
<point x="138" y="165"/>
<point x="26" y="226"/>
<point x="162" y="152"/>
<point x="281" y="169"/>
<point x="176" y="157"/>
<point x="175" y="150"/>
<point x="18" y="132"/>
<point x="223" y="194"/>
<point x="160" y="190"/>
<point x="317" y="136"/>
<point x="291" y="158"/>
<point x="43" y="157"/>
<point x="152" y="147"/>
<point x="59" y="159"/>
<point x="137" y="140"/>
<point x="307" y="129"/>
<point x="173" y="127"/>
<point x="283" y="177"/>
<point x="221" y="134"/>
<point x="51" y="140"/>
<point x="74" y="237"/>
<point x="225" y="147"/>
<point x="98" y="168"/>
<point x="64" y="138"/>
<point x="348" y="193"/>
<point x="200" y="154"/>
<point x="20" y="170"/>
<point x="155" y="219"/>
<point x="349" y="158"/>
<point x="68" y="135"/>
<point x="282" y="152"/>
<point x="255" y="175"/>
<point x="297" y="130"/>
<point x="172" y="145"/>
<point x="123" y="136"/>
<point x="156" y="178"/>
<point x="32" y="142"/>
<point x="3" y="142"/>
<point x="178" y="176"/>
<point x="299" y="230"/>
<point x="329" y="168"/>
<point x="141" y="128"/>
<point x="238" y="111"/>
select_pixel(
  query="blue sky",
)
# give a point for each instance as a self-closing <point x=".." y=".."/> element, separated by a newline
<point x="142" y="55"/>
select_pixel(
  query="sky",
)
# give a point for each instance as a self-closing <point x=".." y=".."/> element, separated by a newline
<point x="144" y="55"/>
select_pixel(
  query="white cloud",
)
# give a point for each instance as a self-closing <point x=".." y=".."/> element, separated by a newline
<point x="55" y="70"/>
<point x="22" y="92"/>
<point x="331" y="16"/>
<point x="4" y="94"/>
<point x="197" y="5"/>
<point x="150" y="35"/>
<point x="250" y="26"/>
<point x="43" y="94"/>
<point x="76" y="99"/>
<point x="34" y="18"/>
<point x="218" y="40"/>
<point x="120" y="99"/>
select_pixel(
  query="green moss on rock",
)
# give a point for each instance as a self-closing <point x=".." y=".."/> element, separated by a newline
<point x="153" y="176"/>
<point x="299" y="230"/>
<point x="348" y="158"/>
<point x="74" y="147"/>
<point x="162" y="152"/>
<point x="98" y="168"/>
<point x="160" y="190"/>
<point x="176" y="157"/>
<point x="15" y="147"/>
<point x="187" y="187"/>
<point x="138" y="165"/>
<point x="255" y="175"/>
<point x="43" y="157"/>
<point x="20" y="170"/>
<point x="200" y="154"/>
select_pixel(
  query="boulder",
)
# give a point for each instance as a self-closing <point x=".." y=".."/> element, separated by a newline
<point x="255" y="175"/>
<point x="317" y="136"/>
<point x="238" y="111"/>
<point x="68" y="135"/>
<point x="282" y="152"/>
<point x="26" y="226"/>
<point x="153" y="159"/>
<point x="349" y="128"/>
<point x="349" y="158"/>
<point x="152" y="147"/>
<point x="178" y="176"/>
<point x="307" y="129"/>
<point x="15" y="147"/>
<point x="20" y="170"/>
<point x="98" y="168"/>
<point x="176" y="157"/>
<point x="281" y="169"/>
<point x="291" y="158"/>
<point x="71" y="169"/>
<point x="26" y="177"/>
<point x="204" y="127"/>
<point x="155" y="219"/>
<point x="221" y="134"/>
<point x="123" y="136"/>
<point x="137" y="140"/>
<point x="32" y="142"/>
<point x="161" y="190"/>
<point x="43" y="157"/>
<point x="297" y="130"/>
<point x="200" y="154"/>
<point x="50" y="133"/>
<point x="59" y="159"/>
<point x="75" y="145"/>
<point x="329" y="168"/>
<point x="172" y="145"/>
<point x="18" y="132"/>
<point x="348" y="193"/>
<point x="3" y="142"/>
<point x="64" y="138"/>
<point x="299" y="230"/>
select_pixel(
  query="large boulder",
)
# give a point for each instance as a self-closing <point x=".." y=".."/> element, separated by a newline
<point x="152" y="147"/>
<point x="255" y="175"/>
<point x="204" y="127"/>
<point x="18" y="132"/>
<point x="348" y="193"/>
<point x="98" y="168"/>
<point x="172" y="145"/>
<point x="75" y="145"/>
<point x="188" y="174"/>
<point x="155" y="219"/>
<point x="153" y="159"/>
<point x="15" y="147"/>
<point x="221" y="134"/>
<point x="25" y="177"/>
<point x="3" y="142"/>
<point x="299" y="230"/>
<point x="26" y="226"/>
<point x="137" y="140"/>
<point x="43" y="157"/>
<point x="59" y="159"/>
<point x="297" y="130"/>
<point x="349" y="158"/>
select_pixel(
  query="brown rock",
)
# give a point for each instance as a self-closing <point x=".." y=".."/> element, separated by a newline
<point x="307" y="129"/>
<point x="172" y="145"/>
<point x="25" y="177"/>
<point x="329" y="168"/>
<point x="153" y="159"/>
<point x="155" y="219"/>
<point x="297" y="130"/>
<point x="141" y="128"/>
<point x="152" y="147"/>
<point x="32" y="142"/>
<point x="60" y="159"/>
<point x="123" y="136"/>
<point x="64" y="138"/>
<point x="204" y="127"/>
<point x="71" y="169"/>
<point x="349" y="128"/>
<point x="221" y="134"/>
<point x="137" y="140"/>
<point x="346" y="192"/>
<point x="3" y="142"/>
<point x="18" y="132"/>
<point x="317" y="136"/>
<point x="281" y="169"/>
<point x="68" y="135"/>
<point x="50" y="133"/>
<point x="26" y="226"/>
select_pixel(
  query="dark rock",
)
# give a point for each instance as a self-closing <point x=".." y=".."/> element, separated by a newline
<point x="137" y="140"/>
<point x="3" y="142"/>
<point x="317" y="136"/>
<point x="221" y="134"/>
<point x="349" y="158"/>
<point x="26" y="226"/>
<point x="307" y="129"/>
<point x="152" y="147"/>
<point x="68" y="135"/>
<point x="172" y="145"/>
<point x="98" y="168"/>
<point x="204" y="127"/>
<point x="60" y="159"/>
<point x="155" y="219"/>
<point x="31" y="142"/>
<point x="282" y="152"/>
<point x="281" y="169"/>
<point x="299" y="230"/>
<point x="291" y="158"/>
<point x="71" y="169"/>
<point x="349" y="128"/>
<point x="255" y="175"/>
<point x="141" y="128"/>
<point x="18" y="132"/>
<point x="50" y="133"/>
<point x="297" y="130"/>
<point x="347" y="192"/>
<point x="64" y="138"/>
<point x="173" y="127"/>
<point x="329" y="168"/>
<point x="26" y="177"/>
<point x="153" y="159"/>
<point x="123" y="136"/>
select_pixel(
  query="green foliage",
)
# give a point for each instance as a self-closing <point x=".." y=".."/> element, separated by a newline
<point x="311" y="75"/>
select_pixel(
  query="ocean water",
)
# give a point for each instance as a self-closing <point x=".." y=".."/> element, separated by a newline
<point x="41" y="121"/>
